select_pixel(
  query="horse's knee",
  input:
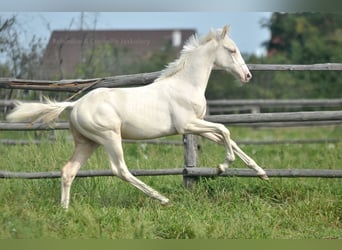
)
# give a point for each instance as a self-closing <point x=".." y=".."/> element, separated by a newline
<point x="231" y="158"/>
<point x="223" y="129"/>
<point x="125" y="175"/>
<point x="68" y="174"/>
<point x="67" y="180"/>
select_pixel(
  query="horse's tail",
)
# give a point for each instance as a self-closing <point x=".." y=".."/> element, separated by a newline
<point x="47" y="112"/>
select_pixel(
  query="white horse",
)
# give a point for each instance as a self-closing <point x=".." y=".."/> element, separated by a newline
<point x="173" y="104"/>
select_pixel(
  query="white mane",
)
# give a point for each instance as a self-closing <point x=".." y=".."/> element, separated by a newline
<point x="190" y="45"/>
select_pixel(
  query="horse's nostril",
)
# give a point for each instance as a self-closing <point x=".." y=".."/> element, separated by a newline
<point x="248" y="76"/>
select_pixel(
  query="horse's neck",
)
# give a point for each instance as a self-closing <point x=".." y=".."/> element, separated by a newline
<point x="198" y="67"/>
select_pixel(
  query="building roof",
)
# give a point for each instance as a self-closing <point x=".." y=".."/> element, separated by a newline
<point x="66" y="49"/>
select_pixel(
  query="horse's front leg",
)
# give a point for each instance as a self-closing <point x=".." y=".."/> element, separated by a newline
<point x="204" y="127"/>
<point x="249" y="161"/>
<point x="243" y="156"/>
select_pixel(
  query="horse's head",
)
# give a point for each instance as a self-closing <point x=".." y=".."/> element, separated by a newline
<point x="228" y="56"/>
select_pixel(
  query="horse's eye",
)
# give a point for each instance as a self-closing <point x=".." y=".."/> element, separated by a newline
<point x="232" y="51"/>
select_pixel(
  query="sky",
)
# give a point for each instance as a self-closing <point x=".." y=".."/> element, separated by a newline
<point x="246" y="29"/>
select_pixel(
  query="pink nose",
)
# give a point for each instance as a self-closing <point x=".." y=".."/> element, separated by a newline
<point x="248" y="76"/>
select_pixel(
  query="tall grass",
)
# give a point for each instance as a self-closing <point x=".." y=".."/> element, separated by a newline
<point x="220" y="208"/>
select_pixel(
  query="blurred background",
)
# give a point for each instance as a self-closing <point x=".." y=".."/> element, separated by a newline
<point x="65" y="45"/>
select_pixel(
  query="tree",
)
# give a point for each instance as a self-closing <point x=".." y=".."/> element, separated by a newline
<point x="306" y="37"/>
<point x="19" y="61"/>
<point x="296" y="38"/>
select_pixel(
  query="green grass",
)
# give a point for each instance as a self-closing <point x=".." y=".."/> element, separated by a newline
<point x="216" y="208"/>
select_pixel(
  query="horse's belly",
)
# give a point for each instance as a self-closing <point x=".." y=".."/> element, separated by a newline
<point x="146" y="130"/>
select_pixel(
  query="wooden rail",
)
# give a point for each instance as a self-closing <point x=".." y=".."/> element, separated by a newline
<point x="277" y="103"/>
<point x="263" y="105"/>
<point x="296" y="67"/>
<point x="277" y="117"/>
<point x="188" y="172"/>
<point x="75" y="85"/>
<point x="179" y="143"/>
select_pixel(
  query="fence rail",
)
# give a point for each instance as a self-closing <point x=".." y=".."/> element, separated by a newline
<point x="188" y="172"/>
<point x="277" y="117"/>
<point x="75" y="85"/>
<point x="179" y="143"/>
<point x="277" y="103"/>
<point x="264" y="105"/>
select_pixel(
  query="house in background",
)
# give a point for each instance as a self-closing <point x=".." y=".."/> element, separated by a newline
<point x="66" y="49"/>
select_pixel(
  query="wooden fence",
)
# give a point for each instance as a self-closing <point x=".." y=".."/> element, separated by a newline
<point x="264" y="105"/>
<point x="76" y="85"/>
<point x="187" y="172"/>
<point x="190" y="170"/>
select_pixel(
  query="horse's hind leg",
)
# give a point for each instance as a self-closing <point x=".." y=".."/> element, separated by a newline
<point x="113" y="147"/>
<point x="83" y="149"/>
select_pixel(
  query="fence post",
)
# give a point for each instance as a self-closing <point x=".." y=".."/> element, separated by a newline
<point x="190" y="157"/>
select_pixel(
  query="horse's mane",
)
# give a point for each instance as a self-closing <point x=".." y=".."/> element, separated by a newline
<point x="190" y="45"/>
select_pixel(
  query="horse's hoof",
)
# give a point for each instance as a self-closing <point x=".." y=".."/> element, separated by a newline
<point x="264" y="177"/>
<point x="221" y="168"/>
<point x="165" y="202"/>
<point x="166" y="205"/>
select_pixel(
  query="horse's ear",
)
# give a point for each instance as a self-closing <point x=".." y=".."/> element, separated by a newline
<point x="213" y="32"/>
<point x="225" y="31"/>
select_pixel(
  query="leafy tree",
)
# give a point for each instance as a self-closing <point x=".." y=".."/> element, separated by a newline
<point x="19" y="61"/>
<point x="306" y="37"/>
<point x="23" y="62"/>
<point x="296" y="38"/>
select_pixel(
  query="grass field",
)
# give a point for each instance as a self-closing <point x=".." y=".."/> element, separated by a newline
<point x="216" y="208"/>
